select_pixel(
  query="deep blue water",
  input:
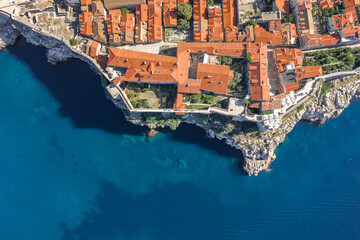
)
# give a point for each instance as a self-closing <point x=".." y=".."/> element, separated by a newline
<point x="71" y="167"/>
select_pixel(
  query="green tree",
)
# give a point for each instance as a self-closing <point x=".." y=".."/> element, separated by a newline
<point x="183" y="24"/>
<point x="251" y="22"/>
<point x="287" y="18"/>
<point x="246" y="102"/>
<point x="73" y="42"/>
<point x="185" y="11"/>
<point x="124" y="11"/>
<point x="210" y="2"/>
<point x="224" y="60"/>
<point x="196" y="98"/>
<point x="248" y="57"/>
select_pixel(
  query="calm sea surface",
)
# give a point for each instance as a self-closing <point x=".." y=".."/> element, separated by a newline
<point x="71" y="168"/>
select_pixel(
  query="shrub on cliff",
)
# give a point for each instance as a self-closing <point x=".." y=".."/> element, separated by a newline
<point x="73" y="42"/>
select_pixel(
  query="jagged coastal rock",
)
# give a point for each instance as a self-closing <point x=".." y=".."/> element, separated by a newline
<point x="258" y="149"/>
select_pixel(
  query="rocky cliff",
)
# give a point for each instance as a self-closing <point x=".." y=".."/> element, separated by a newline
<point x="258" y="148"/>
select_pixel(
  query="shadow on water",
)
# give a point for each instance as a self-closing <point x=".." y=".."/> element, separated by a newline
<point x="195" y="135"/>
<point x="81" y="98"/>
<point x="77" y="90"/>
<point x="117" y="213"/>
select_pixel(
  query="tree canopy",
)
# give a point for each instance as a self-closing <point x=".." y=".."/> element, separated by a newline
<point x="185" y="11"/>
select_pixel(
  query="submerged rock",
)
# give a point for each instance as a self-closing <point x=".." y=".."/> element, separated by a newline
<point x="152" y="133"/>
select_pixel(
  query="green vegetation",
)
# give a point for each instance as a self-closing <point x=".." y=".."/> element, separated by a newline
<point x="73" y="42"/>
<point x="325" y="87"/>
<point x="237" y="84"/>
<point x="266" y="112"/>
<point x="246" y="102"/>
<point x="124" y="11"/>
<point x="210" y="2"/>
<point x="173" y="123"/>
<point x="301" y="107"/>
<point x="251" y="22"/>
<point x="204" y="98"/>
<point x="183" y="24"/>
<point x="324" y="14"/>
<point x="287" y="18"/>
<point x="248" y="57"/>
<point x="194" y="106"/>
<point x="184" y="12"/>
<point x="224" y="60"/>
<point x="342" y="59"/>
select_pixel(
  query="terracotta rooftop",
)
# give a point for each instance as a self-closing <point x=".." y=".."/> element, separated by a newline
<point x="216" y="33"/>
<point x="326" y="4"/>
<point x="200" y="21"/>
<point x="354" y="31"/>
<point x="214" y="78"/>
<point x="283" y="5"/>
<point x="258" y="75"/>
<point x="85" y="17"/>
<point x="170" y="17"/>
<point x="229" y="17"/>
<point x="308" y="72"/>
<point x="86" y="29"/>
<point x="85" y="3"/>
<point x="288" y="58"/>
<point x="343" y="20"/>
<point x="321" y="40"/>
<point x="116" y="4"/>
<point x="350" y="3"/>
<point x="141" y="23"/>
<point x="127" y="28"/>
<point x="263" y="36"/>
<point x="154" y="21"/>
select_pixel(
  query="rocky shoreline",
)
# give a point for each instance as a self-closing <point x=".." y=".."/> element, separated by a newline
<point x="258" y="148"/>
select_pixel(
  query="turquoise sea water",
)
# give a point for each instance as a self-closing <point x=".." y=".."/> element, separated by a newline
<point x="72" y="168"/>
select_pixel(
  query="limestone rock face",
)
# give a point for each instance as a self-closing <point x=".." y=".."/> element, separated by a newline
<point x="59" y="54"/>
<point x="8" y="34"/>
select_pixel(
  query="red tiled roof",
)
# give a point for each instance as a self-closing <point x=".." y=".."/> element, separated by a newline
<point x="229" y="16"/>
<point x="322" y="40"/>
<point x="263" y="36"/>
<point x="260" y="90"/>
<point x="85" y="17"/>
<point x="216" y="33"/>
<point x="200" y="21"/>
<point x="85" y="2"/>
<point x="343" y="20"/>
<point x="112" y="24"/>
<point x="354" y="31"/>
<point x="170" y="17"/>
<point x="283" y="5"/>
<point x="86" y="29"/>
<point x="308" y="71"/>
<point x="154" y="21"/>
<point x="326" y="4"/>
<point x="127" y="28"/>
<point x="141" y="13"/>
<point x="214" y="78"/>
<point x="95" y="46"/>
<point x="286" y="56"/>
<point x="350" y="3"/>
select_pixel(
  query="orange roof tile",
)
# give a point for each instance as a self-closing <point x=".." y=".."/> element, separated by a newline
<point x="86" y="29"/>
<point x="85" y="17"/>
<point x="350" y="3"/>
<point x="95" y="47"/>
<point x="200" y="21"/>
<point x="343" y="20"/>
<point x="283" y="5"/>
<point x="214" y="78"/>
<point x="112" y="24"/>
<point x="263" y="36"/>
<point x="321" y="40"/>
<point x="308" y="71"/>
<point x="354" y="31"/>
<point x="154" y="21"/>
<point x="326" y="4"/>
<point x="85" y="2"/>
<point x="287" y="57"/>
<point x="216" y="33"/>
<point x="170" y="17"/>
<point x="258" y="74"/>
<point x="141" y="13"/>
<point x="127" y="28"/>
